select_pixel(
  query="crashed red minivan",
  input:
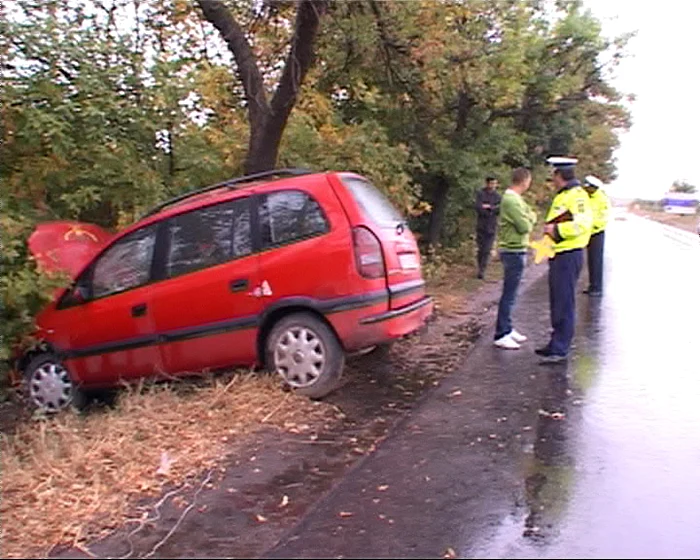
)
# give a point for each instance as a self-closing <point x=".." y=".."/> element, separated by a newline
<point x="287" y="269"/>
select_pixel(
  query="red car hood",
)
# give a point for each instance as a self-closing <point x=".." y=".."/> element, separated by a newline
<point x="66" y="246"/>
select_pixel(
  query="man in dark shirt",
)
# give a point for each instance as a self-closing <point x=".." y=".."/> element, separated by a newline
<point x="488" y="203"/>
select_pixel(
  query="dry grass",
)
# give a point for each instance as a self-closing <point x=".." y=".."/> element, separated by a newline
<point x="72" y="478"/>
<point x="685" y="222"/>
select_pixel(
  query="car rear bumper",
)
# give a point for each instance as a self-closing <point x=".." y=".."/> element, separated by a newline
<point x="361" y="329"/>
<point x="420" y="309"/>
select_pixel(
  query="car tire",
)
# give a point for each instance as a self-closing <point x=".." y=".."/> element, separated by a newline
<point x="306" y="354"/>
<point x="373" y="353"/>
<point x="48" y="386"/>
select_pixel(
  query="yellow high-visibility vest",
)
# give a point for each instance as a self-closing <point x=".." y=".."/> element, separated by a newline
<point x="600" y="204"/>
<point x="576" y="233"/>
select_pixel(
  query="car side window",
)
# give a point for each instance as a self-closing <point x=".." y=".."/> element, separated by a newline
<point x="208" y="236"/>
<point x="288" y="216"/>
<point x="125" y="265"/>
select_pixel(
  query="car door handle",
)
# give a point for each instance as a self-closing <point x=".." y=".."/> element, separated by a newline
<point x="139" y="310"/>
<point x="238" y="285"/>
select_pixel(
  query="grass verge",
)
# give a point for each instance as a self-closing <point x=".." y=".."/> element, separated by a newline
<point x="685" y="222"/>
<point x="72" y="478"/>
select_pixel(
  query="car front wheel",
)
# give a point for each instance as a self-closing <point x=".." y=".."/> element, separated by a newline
<point x="306" y="354"/>
<point x="49" y="387"/>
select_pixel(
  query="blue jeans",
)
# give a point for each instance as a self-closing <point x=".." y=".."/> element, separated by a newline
<point x="513" y="266"/>
<point x="564" y="270"/>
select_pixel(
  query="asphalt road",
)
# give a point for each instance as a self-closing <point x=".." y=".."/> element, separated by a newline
<point x="597" y="458"/>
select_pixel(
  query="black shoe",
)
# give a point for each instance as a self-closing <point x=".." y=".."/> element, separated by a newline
<point x="553" y="359"/>
<point x="593" y="293"/>
<point x="544" y="351"/>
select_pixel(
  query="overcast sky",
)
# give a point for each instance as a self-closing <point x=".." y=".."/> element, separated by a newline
<point x="664" y="73"/>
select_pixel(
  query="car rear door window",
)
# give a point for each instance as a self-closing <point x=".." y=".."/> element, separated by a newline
<point x="125" y="265"/>
<point x="208" y="236"/>
<point x="373" y="203"/>
<point x="288" y="216"/>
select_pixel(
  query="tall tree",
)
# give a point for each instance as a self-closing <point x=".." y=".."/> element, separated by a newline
<point x="683" y="187"/>
<point x="268" y="117"/>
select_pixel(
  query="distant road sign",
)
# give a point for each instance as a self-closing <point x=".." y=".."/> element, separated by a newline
<point x="680" y="203"/>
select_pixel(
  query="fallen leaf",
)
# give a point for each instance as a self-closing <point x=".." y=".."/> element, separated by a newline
<point x="346" y="514"/>
<point x="261" y="518"/>
<point x="285" y="501"/>
<point x="383" y="487"/>
<point x="450" y="553"/>
<point x="455" y="393"/>
<point x="165" y="464"/>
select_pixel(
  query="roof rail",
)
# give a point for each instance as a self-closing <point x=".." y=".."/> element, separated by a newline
<point x="230" y="183"/>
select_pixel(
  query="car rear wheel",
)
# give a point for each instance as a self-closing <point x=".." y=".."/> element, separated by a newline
<point x="49" y="387"/>
<point x="306" y="354"/>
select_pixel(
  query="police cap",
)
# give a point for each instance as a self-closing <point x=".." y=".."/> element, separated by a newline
<point x="593" y="181"/>
<point x="562" y="162"/>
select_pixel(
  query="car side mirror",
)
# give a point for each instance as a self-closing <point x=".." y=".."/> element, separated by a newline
<point x="80" y="294"/>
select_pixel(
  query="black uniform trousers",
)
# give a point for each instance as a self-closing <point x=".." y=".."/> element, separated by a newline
<point x="564" y="271"/>
<point x="595" y="262"/>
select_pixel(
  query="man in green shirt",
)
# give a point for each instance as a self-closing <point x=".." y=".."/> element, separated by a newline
<point x="516" y="222"/>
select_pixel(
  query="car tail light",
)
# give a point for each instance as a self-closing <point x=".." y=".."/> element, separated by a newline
<point x="368" y="253"/>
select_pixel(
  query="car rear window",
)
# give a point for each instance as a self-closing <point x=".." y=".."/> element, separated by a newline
<point x="374" y="204"/>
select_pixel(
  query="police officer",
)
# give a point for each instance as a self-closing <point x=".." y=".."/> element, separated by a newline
<point x="600" y="204"/>
<point x="568" y="223"/>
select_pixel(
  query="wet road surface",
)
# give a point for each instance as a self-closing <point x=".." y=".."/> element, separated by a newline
<point x="624" y="481"/>
<point x="595" y="458"/>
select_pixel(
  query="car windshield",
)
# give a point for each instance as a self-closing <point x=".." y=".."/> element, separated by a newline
<point x="373" y="203"/>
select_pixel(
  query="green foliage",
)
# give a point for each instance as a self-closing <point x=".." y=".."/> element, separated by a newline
<point x="23" y="290"/>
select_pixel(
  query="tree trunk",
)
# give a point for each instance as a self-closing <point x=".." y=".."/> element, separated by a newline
<point x="268" y="118"/>
<point x="437" y="216"/>
<point x="263" y="147"/>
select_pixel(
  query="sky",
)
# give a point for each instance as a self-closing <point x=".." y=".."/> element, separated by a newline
<point x="663" y="72"/>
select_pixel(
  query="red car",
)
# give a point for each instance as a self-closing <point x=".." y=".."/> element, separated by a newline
<point x="288" y="269"/>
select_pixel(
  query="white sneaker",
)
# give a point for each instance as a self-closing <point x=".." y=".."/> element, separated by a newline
<point x="507" y="342"/>
<point x="515" y="335"/>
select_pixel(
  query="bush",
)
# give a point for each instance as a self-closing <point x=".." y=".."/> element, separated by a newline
<point x="24" y="291"/>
